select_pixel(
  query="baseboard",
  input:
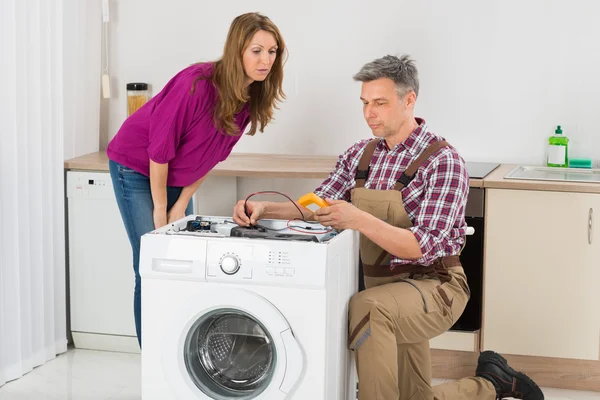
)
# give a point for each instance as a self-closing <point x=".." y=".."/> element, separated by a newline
<point x="94" y="341"/>
<point x="546" y="372"/>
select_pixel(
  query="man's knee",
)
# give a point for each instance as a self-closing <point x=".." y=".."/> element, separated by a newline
<point x="364" y="301"/>
<point x="361" y="304"/>
<point x="361" y="308"/>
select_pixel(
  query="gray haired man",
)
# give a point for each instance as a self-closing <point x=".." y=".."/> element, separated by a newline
<point x="405" y="192"/>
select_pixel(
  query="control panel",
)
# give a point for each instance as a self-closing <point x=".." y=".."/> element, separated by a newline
<point x="89" y="184"/>
<point x="279" y="264"/>
<point x="266" y="262"/>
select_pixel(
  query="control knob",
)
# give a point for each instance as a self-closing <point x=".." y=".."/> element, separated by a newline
<point x="229" y="264"/>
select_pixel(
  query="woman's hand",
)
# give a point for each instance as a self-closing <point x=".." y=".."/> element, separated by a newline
<point x="176" y="212"/>
<point x="255" y="208"/>
<point x="160" y="217"/>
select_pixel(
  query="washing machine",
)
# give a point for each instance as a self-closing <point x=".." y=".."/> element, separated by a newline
<point x="236" y="313"/>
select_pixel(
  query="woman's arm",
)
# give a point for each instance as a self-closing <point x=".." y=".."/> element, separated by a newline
<point x="178" y="210"/>
<point x="158" y="188"/>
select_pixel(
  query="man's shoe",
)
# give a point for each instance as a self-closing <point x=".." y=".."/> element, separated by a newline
<point x="508" y="382"/>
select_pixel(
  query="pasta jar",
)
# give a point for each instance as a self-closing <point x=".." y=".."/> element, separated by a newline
<point x="137" y="96"/>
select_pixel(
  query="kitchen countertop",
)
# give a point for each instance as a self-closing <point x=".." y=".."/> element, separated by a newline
<point x="239" y="164"/>
<point x="246" y="165"/>
<point x="90" y="162"/>
<point x="495" y="180"/>
<point x="319" y="167"/>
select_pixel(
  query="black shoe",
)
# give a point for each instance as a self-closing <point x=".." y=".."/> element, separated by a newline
<point x="508" y="382"/>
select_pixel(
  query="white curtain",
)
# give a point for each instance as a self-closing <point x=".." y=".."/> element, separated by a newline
<point x="32" y="236"/>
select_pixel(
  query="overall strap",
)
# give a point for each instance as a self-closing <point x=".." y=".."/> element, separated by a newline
<point x="408" y="175"/>
<point x="362" y="173"/>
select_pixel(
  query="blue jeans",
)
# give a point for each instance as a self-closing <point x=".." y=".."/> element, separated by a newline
<point x="134" y="198"/>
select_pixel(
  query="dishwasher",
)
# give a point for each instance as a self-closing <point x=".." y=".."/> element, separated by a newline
<point x="101" y="278"/>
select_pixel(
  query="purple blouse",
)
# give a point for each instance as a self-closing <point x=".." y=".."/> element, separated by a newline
<point x="176" y="127"/>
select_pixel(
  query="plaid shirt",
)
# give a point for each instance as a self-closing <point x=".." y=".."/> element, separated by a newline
<point x="434" y="200"/>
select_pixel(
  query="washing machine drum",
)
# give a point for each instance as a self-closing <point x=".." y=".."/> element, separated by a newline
<point x="229" y="354"/>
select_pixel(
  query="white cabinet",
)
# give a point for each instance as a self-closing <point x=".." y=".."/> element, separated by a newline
<point x="542" y="274"/>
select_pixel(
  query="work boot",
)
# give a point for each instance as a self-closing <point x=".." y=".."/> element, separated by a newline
<point x="508" y="382"/>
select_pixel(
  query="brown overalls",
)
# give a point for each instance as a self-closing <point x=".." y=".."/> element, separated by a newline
<point x="404" y="307"/>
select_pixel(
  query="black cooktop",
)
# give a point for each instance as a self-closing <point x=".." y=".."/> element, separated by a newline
<point x="479" y="170"/>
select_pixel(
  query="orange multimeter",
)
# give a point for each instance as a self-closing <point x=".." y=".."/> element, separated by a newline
<point x="312" y="202"/>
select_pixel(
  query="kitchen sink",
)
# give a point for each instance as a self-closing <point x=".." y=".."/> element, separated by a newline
<point x="554" y="174"/>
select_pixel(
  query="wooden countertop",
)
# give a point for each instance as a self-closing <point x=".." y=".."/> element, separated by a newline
<point x="495" y="180"/>
<point x="476" y="183"/>
<point x="319" y="167"/>
<point x="246" y="165"/>
<point x="90" y="162"/>
<point x="239" y="164"/>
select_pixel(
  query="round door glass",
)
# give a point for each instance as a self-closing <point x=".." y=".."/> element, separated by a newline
<point x="229" y="354"/>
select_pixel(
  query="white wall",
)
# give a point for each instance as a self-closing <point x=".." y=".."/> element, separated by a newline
<point x="81" y="64"/>
<point x="496" y="76"/>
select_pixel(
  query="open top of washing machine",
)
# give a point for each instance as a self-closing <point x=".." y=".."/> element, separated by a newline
<point x="270" y="229"/>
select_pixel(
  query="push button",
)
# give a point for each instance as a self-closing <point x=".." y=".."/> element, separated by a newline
<point x="212" y="269"/>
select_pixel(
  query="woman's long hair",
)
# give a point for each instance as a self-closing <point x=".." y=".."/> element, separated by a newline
<point x="229" y="77"/>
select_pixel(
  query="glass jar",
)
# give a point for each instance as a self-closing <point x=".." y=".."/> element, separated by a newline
<point x="137" y="96"/>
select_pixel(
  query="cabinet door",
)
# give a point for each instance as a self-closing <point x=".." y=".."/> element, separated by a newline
<point x="542" y="295"/>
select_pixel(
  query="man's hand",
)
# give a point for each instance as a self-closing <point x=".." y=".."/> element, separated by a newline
<point x="255" y="208"/>
<point x="340" y="215"/>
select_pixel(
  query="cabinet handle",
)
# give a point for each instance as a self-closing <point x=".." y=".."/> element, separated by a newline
<point x="590" y="225"/>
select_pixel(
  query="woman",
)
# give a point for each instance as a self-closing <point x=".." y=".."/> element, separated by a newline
<point x="163" y="151"/>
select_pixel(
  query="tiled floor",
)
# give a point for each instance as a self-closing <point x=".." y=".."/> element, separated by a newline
<point x="80" y="374"/>
<point x="95" y="375"/>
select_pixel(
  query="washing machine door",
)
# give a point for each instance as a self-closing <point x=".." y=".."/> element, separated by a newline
<point x="231" y="344"/>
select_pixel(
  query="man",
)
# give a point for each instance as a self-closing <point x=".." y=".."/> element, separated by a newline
<point x="405" y="191"/>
